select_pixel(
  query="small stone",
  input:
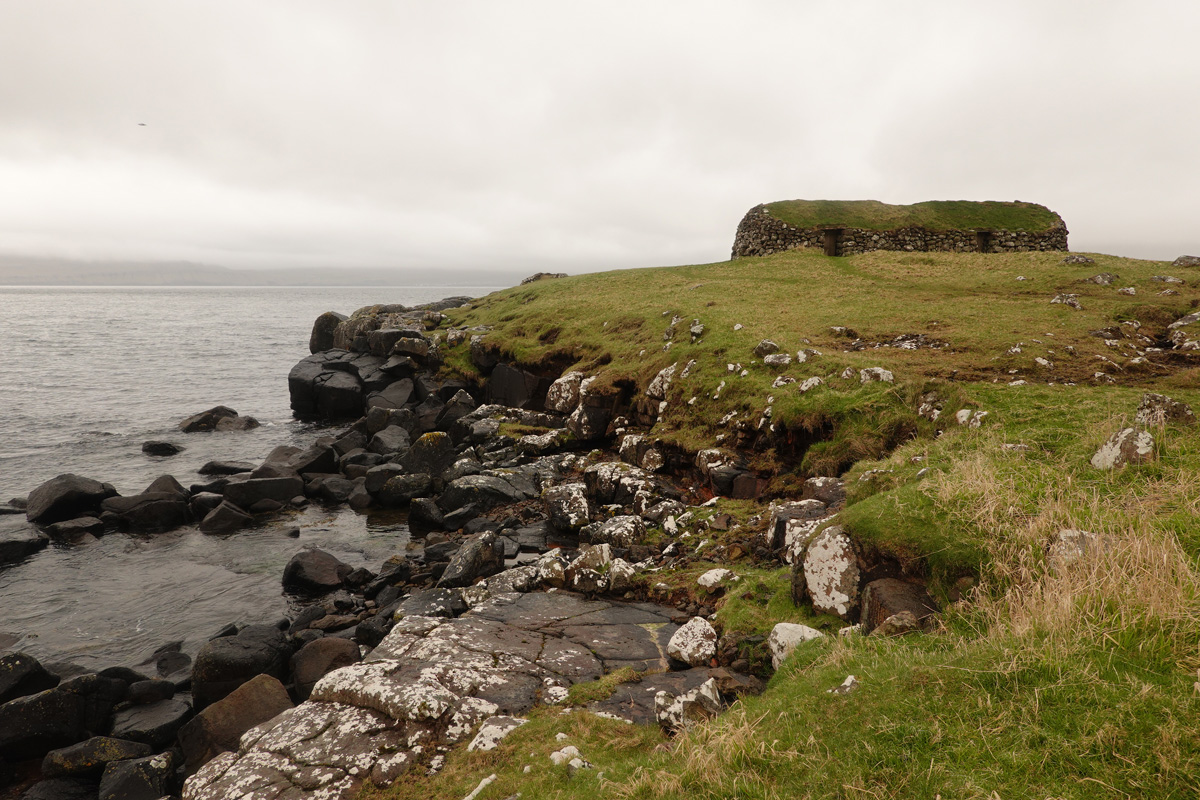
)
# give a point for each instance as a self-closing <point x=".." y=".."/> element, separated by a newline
<point x="784" y="638"/>
<point x="695" y="643"/>
<point x="1127" y="446"/>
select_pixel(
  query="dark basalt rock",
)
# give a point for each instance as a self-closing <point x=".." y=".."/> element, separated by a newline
<point x="66" y="497"/>
<point x="226" y="467"/>
<point x="155" y="724"/>
<point x="245" y="493"/>
<point x="19" y="540"/>
<point x="887" y="596"/>
<point x="63" y="789"/>
<point x="146" y="778"/>
<point x="401" y="489"/>
<point x="33" y="725"/>
<point x="323" y="330"/>
<point x="314" y="572"/>
<point x="517" y="388"/>
<point x="207" y="420"/>
<point x="480" y="556"/>
<point x="485" y="492"/>
<point x="433" y="603"/>
<point x="90" y="757"/>
<point x="22" y="675"/>
<point x="161" y="449"/>
<point x="226" y="663"/>
<point x="225" y="518"/>
<point x="150" y="512"/>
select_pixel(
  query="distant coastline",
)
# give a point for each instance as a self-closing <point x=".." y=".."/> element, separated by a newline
<point x="20" y="271"/>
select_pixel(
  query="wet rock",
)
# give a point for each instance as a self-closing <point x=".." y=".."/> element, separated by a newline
<point x="226" y="467"/>
<point x="19" y="540"/>
<point x="145" y="778"/>
<point x="424" y="515"/>
<point x="245" y="493"/>
<point x="225" y="518"/>
<point x="831" y="573"/>
<point x="888" y="596"/>
<point x="90" y="756"/>
<point x="35" y="724"/>
<point x="677" y="713"/>
<point x="785" y="637"/>
<point x="318" y="658"/>
<point x="1128" y="446"/>
<point x="66" y="497"/>
<point x="21" y="675"/>
<point x="480" y="556"/>
<point x="404" y="488"/>
<point x="217" y="728"/>
<point x="145" y="692"/>
<point x="694" y="644"/>
<point x="151" y="512"/>
<point x="85" y="788"/>
<point x="314" y="571"/>
<point x="1156" y="410"/>
<point x="226" y="663"/>
<point x="207" y="420"/>
<point x="161" y="449"/>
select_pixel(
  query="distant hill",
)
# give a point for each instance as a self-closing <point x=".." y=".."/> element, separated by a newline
<point x="27" y="271"/>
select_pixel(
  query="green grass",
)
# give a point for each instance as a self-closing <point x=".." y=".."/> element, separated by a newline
<point x="1071" y="683"/>
<point x="935" y="215"/>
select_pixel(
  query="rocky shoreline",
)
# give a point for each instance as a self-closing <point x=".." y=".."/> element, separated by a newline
<point x="547" y="530"/>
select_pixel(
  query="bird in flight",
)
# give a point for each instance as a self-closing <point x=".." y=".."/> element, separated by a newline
<point x="141" y="124"/>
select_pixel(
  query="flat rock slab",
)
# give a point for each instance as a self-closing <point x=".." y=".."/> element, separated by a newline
<point x="635" y="701"/>
<point x="432" y="680"/>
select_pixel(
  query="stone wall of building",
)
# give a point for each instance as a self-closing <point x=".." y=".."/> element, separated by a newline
<point x="761" y="234"/>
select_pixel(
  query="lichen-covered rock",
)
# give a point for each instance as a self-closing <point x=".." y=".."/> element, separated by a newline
<point x="563" y="394"/>
<point x="831" y="573"/>
<point x="784" y="638"/>
<point x="871" y="374"/>
<point x="1156" y="410"/>
<point x="1186" y="261"/>
<point x="662" y="383"/>
<point x="588" y="573"/>
<point x="1128" y="446"/>
<point x="480" y="556"/>
<point x="567" y="506"/>
<point x="765" y="348"/>
<point x="715" y="579"/>
<point x="620" y="575"/>
<point x="777" y="360"/>
<point x="492" y="731"/>
<point x="623" y="531"/>
<point x="694" y="644"/>
<point x="1068" y="299"/>
<point x="897" y="624"/>
<point x="676" y="713"/>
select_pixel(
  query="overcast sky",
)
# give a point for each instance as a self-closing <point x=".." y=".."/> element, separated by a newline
<point x="577" y="136"/>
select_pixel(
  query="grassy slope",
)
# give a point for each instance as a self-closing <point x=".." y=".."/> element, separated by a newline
<point x="1042" y="684"/>
<point x="937" y="215"/>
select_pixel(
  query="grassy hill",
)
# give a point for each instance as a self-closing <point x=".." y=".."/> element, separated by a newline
<point x="935" y="215"/>
<point x="1040" y="683"/>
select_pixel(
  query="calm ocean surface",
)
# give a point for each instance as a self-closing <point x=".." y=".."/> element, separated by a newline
<point x="86" y="376"/>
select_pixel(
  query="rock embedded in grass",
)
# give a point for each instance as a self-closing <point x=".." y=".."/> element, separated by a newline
<point x="1156" y="410"/>
<point x="831" y="572"/>
<point x="785" y="637"/>
<point x="871" y="374"/>
<point x="1127" y="446"/>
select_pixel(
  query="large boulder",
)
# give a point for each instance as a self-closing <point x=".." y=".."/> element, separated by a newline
<point x="432" y="453"/>
<point x="207" y="420"/>
<point x="66" y="497"/>
<point x="226" y="663"/>
<point x="563" y="394"/>
<point x="217" y="728"/>
<point x="35" y="724"/>
<point x="150" y="512"/>
<point x="694" y="644"/>
<point x="480" y="556"/>
<point x="622" y="532"/>
<point x="831" y="573"/>
<point x="225" y="518"/>
<point x="678" y="712"/>
<point x="403" y="488"/>
<point x="315" y="572"/>
<point x="323" y="329"/>
<point x="517" y="388"/>
<point x="1186" y="261"/>
<point x="319" y="657"/>
<point x="245" y="493"/>
<point x="393" y="439"/>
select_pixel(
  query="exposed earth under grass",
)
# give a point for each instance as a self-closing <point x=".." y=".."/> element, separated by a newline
<point x="1039" y="682"/>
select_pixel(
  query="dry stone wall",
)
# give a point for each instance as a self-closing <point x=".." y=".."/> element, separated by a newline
<point x="761" y="234"/>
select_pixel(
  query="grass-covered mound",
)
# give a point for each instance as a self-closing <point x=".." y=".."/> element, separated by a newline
<point x="934" y="215"/>
<point x="1072" y="682"/>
